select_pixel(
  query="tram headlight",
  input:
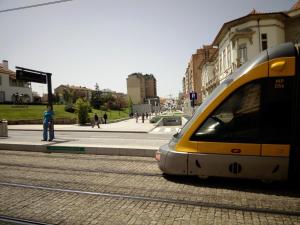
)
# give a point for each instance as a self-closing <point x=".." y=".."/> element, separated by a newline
<point x="157" y="156"/>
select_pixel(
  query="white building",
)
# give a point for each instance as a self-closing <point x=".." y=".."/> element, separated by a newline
<point x="244" y="38"/>
<point x="210" y="79"/>
<point x="10" y="88"/>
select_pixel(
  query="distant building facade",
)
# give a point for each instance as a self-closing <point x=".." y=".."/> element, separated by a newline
<point x="242" y="39"/>
<point x="141" y="89"/>
<point x="76" y="91"/>
<point x="11" y="89"/>
<point x="192" y="81"/>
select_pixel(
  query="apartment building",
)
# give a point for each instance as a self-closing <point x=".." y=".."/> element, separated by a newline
<point x="12" y="89"/>
<point x="142" y="88"/>
<point x="242" y="39"/>
<point x="193" y="75"/>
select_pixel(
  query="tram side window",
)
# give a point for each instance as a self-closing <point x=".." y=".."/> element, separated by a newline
<point x="236" y="119"/>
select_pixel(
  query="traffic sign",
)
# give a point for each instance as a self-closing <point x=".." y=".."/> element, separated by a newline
<point x="193" y="95"/>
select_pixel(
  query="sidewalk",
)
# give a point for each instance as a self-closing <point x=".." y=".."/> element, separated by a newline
<point x="91" y="145"/>
<point x="126" y="126"/>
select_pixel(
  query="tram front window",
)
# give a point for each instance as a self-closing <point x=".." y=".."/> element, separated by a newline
<point x="236" y="119"/>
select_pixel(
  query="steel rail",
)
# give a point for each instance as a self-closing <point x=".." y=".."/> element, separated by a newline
<point x="98" y="158"/>
<point x="82" y="170"/>
<point x="162" y="200"/>
<point x="14" y="220"/>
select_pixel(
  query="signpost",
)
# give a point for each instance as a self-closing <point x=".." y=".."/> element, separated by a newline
<point x="193" y="97"/>
<point x="35" y="76"/>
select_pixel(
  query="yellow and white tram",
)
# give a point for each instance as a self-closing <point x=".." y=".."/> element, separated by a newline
<point x="247" y="128"/>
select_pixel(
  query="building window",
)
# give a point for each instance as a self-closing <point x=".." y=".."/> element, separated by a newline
<point x="206" y="54"/>
<point x="264" y="42"/>
<point x="228" y="56"/>
<point x="20" y="83"/>
<point x="242" y="54"/>
<point x="12" y="82"/>
<point x="236" y="119"/>
<point x="224" y="59"/>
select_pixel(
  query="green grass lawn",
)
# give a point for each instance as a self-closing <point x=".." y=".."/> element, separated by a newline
<point x="32" y="112"/>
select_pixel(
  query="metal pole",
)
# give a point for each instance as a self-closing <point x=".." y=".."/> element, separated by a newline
<point x="50" y="96"/>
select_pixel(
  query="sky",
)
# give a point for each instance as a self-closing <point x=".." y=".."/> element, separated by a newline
<point x="84" y="42"/>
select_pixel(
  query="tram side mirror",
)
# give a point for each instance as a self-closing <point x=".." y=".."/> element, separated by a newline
<point x="177" y="132"/>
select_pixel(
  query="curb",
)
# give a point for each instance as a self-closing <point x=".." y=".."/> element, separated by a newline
<point x="80" y="150"/>
<point x="109" y="131"/>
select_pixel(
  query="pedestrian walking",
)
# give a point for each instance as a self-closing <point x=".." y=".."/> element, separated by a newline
<point x="143" y="117"/>
<point x="96" y="121"/>
<point x="136" y="117"/>
<point x="105" y="117"/>
<point x="48" y="124"/>
<point x="146" y="115"/>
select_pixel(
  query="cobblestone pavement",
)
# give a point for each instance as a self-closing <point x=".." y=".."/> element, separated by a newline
<point x="134" y="176"/>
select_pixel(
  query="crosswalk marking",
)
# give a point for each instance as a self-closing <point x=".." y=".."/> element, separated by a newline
<point x="167" y="130"/>
<point x="162" y="130"/>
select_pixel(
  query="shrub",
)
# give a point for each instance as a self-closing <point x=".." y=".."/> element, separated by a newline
<point x="104" y="108"/>
<point x="82" y="109"/>
<point x="70" y="108"/>
<point x="114" y="106"/>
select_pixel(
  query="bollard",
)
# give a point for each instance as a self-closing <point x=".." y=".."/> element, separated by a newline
<point x="3" y="128"/>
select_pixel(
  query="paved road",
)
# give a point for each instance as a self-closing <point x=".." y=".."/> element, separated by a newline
<point x="94" y="189"/>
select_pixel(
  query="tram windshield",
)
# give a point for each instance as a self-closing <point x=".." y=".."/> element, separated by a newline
<point x="244" y="69"/>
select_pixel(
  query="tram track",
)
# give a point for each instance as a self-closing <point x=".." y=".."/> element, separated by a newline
<point x="156" y="199"/>
<point x="20" y="221"/>
<point x="30" y="166"/>
<point x="98" y="157"/>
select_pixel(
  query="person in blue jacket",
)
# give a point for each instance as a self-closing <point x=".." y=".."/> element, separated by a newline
<point x="48" y="122"/>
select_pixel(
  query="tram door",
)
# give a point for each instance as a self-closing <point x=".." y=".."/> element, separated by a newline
<point x="277" y="117"/>
<point x="295" y="148"/>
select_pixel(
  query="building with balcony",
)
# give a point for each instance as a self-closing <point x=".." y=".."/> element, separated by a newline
<point x="237" y="42"/>
<point x="242" y="39"/>
<point x="210" y="78"/>
<point x="11" y="89"/>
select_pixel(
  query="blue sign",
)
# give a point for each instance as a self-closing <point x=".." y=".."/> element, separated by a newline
<point x="193" y="95"/>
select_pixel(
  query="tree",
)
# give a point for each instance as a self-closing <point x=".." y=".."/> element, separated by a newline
<point x="130" y="104"/>
<point x="56" y="98"/>
<point x="121" y="102"/>
<point x="82" y="108"/>
<point x="107" y="99"/>
<point x="68" y="95"/>
<point x="96" y="97"/>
